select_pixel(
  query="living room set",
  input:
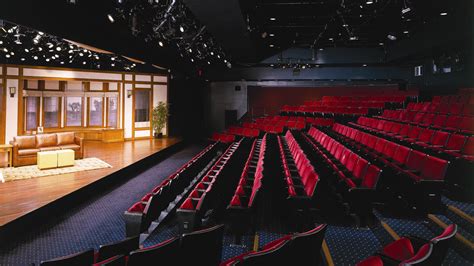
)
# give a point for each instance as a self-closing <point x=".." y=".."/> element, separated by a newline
<point x="48" y="151"/>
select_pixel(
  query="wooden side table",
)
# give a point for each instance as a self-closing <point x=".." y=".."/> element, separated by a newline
<point x="8" y="149"/>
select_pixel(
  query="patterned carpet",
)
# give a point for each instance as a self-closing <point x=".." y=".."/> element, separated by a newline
<point x="32" y="171"/>
<point x="94" y="222"/>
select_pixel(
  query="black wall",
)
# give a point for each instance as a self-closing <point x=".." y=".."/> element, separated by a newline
<point x="186" y="103"/>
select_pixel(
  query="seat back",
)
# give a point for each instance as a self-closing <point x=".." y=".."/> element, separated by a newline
<point x="416" y="160"/>
<point x="422" y="257"/>
<point x="113" y="261"/>
<point x="278" y="254"/>
<point x="371" y="177"/>
<point x="440" y="120"/>
<point x="434" y="168"/>
<point x="440" y="138"/>
<point x="442" y="242"/>
<point x="305" y="247"/>
<point x="120" y="248"/>
<point x="469" y="147"/>
<point x="402" y="154"/>
<point x="456" y="142"/>
<point x="77" y="259"/>
<point x="426" y="135"/>
<point x="164" y="251"/>
<point x="205" y="244"/>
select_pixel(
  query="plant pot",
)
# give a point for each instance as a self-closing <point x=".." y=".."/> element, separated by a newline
<point x="158" y="135"/>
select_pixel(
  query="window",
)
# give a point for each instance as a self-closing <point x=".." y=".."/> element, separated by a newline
<point x="96" y="114"/>
<point x="32" y="112"/>
<point x="73" y="111"/>
<point x="112" y="113"/>
<point x="51" y="112"/>
<point x="142" y="108"/>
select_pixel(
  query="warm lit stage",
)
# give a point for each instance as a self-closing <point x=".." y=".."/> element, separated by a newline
<point x="22" y="201"/>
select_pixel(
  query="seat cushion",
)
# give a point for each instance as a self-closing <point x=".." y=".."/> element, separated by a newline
<point x="28" y="152"/>
<point x="25" y="142"/>
<point x="54" y="148"/>
<point x="65" y="138"/>
<point x="73" y="147"/>
<point x="46" y="140"/>
<point x="400" y="250"/>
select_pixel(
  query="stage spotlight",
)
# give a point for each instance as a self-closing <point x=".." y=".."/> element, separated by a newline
<point x="160" y="43"/>
<point x="111" y="18"/>
<point x="181" y="28"/>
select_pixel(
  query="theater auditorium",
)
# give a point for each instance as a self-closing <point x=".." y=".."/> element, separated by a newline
<point x="236" y="132"/>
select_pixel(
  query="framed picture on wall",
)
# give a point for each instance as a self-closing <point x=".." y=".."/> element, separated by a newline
<point x="39" y="130"/>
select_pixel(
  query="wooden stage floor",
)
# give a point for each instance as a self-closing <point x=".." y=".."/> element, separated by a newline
<point x="18" y="198"/>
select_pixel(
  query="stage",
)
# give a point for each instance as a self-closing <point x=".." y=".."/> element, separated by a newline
<point x="22" y="201"/>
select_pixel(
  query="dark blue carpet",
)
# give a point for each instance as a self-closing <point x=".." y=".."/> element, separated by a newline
<point x="94" y="222"/>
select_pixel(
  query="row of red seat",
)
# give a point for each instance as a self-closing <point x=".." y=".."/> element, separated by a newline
<point x="349" y="166"/>
<point x="269" y="128"/>
<point x="442" y="108"/>
<point x="349" y="103"/>
<point x="467" y="98"/>
<point x="222" y="137"/>
<point x="415" y="176"/>
<point x="196" y="198"/>
<point x="384" y="99"/>
<point x="464" y="124"/>
<point x="457" y="145"/>
<point x="243" y="198"/>
<point x="415" y="164"/>
<point x="331" y="110"/>
<point x="139" y="216"/>
<point x="244" y="132"/>
<point x="305" y="184"/>
<point x="353" y="177"/>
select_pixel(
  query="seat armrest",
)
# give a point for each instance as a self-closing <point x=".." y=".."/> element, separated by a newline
<point x="80" y="141"/>
<point x="417" y="242"/>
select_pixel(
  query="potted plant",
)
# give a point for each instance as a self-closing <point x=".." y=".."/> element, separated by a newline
<point x="159" y="119"/>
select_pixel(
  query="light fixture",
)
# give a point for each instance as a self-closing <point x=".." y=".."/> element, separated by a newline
<point x="406" y="10"/>
<point x="12" y="91"/>
<point x="369" y="2"/>
<point x="380" y="43"/>
<point x="391" y="37"/>
<point x="443" y="14"/>
<point x="212" y="53"/>
<point x="321" y="49"/>
<point x="7" y="56"/>
<point x="271" y="45"/>
<point x="406" y="32"/>
<point x="345" y="25"/>
<point x="181" y="28"/>
<point x="72" y="2"/>
<point x="364" y="65"/>
<point x="35" y="57"/>
<point x="273" y="19"/>
<point x="331" y="39"/>
<point x="160" y="43"/>
<point x="129" y="93"/>
<point x="22" y="59"/>
<point x="58" y="48"/>
<point x="271" y="34"/>
<point x="353" y="38"/>
<point x="111" y="18"/>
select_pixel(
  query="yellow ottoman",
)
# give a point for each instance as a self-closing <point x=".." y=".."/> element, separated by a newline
<point x="65" y="158"/>
<point x="47" y="159"/>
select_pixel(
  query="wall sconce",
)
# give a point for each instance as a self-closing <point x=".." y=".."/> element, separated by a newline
<point x="129" y="93"/>
<point x="12" y="91"/>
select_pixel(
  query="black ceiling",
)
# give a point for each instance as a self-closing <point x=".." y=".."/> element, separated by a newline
<point x="243" y="27"/>
<point x="279" y="24"/>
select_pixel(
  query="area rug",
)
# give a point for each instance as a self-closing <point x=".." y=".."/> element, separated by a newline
<point x="32" y="171"/>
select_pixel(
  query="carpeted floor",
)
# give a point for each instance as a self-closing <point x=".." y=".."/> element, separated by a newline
<point x="95" y="222"/>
